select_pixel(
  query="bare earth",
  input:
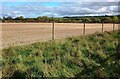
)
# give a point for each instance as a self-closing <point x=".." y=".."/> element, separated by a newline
<point x="26" y="33"/>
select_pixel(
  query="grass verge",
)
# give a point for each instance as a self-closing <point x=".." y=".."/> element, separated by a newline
<point x="84" y="56"/>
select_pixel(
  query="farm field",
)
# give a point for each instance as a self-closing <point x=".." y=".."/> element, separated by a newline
<point x="26" y="33"/>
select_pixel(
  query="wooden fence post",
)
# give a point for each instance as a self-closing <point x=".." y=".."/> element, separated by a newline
<point x="84" y="28"/>
<point x="53" y="30"/>
<point x="113" y="27"/>
<point x="102" y="26"/>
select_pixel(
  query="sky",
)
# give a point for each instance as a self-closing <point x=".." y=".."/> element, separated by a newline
<point x="58" y="8"/>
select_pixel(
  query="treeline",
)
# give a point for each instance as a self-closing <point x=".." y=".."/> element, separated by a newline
<point x="45" y="19"/>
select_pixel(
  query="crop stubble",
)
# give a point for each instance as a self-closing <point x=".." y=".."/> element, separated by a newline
<point x="26" y="33"/>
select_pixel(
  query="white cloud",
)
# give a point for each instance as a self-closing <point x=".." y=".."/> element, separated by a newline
<point x="113" y="8"/>
<point x="42" y="0"/>
<point x="60" y="0"/>
<point x="15" y="11"/>
<point x="101" y="0"/>
<point x="103" y="9"/>
<point x="65" y="9"/>
<point x="112" y="0"/>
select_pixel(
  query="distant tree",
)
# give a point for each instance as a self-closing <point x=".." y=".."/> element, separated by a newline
<point x="115" y="19"/>
<point x="95" y="20"/>
<point x="61" y="20"/>
<point x="9" y="18"/>
<point x="3" y="18"/>
<point x="80" y="21"/>
<point x="87" y="20"/>
<point x="107" y="20"/>
<point x="20" y="18"/>
<point x="0" y="19"/>
<point x="46" y="19"/>
<point x="43" y="19"/>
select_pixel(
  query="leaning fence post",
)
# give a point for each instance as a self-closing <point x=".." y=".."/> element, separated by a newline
<point x="113" y="26"/>
<point x="102" y="25"/>
<point x="84" y="28"/>
<point x="53" y="28"/>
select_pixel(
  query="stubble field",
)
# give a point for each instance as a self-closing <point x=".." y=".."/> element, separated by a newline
<point x="26" y="33"/>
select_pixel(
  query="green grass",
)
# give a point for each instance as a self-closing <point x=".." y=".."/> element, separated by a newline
<point x="84" y="56"/>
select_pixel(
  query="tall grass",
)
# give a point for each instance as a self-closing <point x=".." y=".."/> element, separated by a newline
<point x="84" y="56"/>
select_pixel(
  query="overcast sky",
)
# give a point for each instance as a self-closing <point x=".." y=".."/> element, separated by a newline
<point x="58" y="8"/>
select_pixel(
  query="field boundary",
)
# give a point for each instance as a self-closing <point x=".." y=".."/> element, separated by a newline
<point x="27" y="33"/>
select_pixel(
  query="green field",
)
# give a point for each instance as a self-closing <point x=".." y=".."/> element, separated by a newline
<point x="84" y="56"/>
